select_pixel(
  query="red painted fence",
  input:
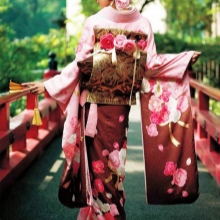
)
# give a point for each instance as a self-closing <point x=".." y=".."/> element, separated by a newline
<point x="20" y="141"/>
<point x="207" y="127"/>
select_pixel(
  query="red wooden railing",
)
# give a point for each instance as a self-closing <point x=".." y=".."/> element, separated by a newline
<point x="207" y="126"/>
<point x="20" y="141"/>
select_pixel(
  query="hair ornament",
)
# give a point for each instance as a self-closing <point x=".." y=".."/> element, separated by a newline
<point x="122" y="4"/>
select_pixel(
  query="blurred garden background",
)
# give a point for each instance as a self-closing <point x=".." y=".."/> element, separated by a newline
<point x="30" y="30"/>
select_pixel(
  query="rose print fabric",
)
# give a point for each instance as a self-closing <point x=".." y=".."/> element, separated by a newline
<point x="106" y="157"/>
<point x="170" y="161"/>
<point x="118" y="66"/>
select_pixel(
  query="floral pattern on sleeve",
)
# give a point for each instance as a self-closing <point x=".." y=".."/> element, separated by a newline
<point x="166" y="104"/>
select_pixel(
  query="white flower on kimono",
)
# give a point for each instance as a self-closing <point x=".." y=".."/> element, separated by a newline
<point x="114" y="210"/>
<point x="109" y="195"/>
<point x="182" y="103"/>
<point x="96" y="207"/>
<point x="105" y="207"/>
<point x="72" y="139"/>
<point x="122" y="158"/>
<point x="120" y="186"/>
<point x="145" y="86"/>
<point x="152" y="130"/>
<point x="174" y="112"/>
<point x="157" y="89"/>
<point x="155" y="104"/>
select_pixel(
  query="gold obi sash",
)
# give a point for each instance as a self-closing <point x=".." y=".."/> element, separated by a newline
<point x="113" y="75"/>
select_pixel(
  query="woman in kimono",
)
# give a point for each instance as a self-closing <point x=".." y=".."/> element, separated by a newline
<point x="115" y="54"/>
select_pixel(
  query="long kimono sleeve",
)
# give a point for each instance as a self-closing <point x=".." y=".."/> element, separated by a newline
<point x="62" y="86"/>
<point x="171" y="174"/>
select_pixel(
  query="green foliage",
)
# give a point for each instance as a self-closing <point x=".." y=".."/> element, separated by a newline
<point x="189" y="19"/>
<point x="19" y="59"/>
<point x="89" y="7"/>
<point x="28" y="18"/>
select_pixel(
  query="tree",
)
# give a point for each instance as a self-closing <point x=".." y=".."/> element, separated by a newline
<point x="189" y="18"/>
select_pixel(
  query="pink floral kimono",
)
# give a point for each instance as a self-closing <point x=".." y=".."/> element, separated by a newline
<point x="124" y="61"/>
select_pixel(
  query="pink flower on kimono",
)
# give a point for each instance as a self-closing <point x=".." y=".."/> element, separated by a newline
<point x="100" y="217"/>
<point x="155" y="104"/>
<point x="98" y="185"/>
<point x="114" y="160"/>
<point x="182" y="103"/>
<point x="116" y="145"/>
<point x="152" y="83"/>
<point x="113" y="209"/>
<point x="155" y="118"/>
<point x="120" y="41"/>
<point x="179" y="177"/>
<point x="70" y="150"/>
<point x="129" y="46"/>
<point x="170" y="190"/>
<point x="109" y="216"/>
<point x="73" y="121"/>
<point x="170" y="168"/>
<point x="142" y="44"/>
<point x="121" y="118"/>
<point x="165" y="96"/>
<point x="160" y="117"/>
<point x="152" y="130"/>
<point x="160" y="147"/>
<point x="107" y="41"/>
<point x="98" y="166"/>
<point x="185" y="194"/>
<point x="105" y="153"/>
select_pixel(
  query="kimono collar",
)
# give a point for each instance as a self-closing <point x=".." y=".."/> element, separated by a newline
<point x="117" y="16"/>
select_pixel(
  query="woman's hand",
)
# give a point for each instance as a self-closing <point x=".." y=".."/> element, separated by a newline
<point x="35" y="87"/>
<point x="195" y="57"/>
